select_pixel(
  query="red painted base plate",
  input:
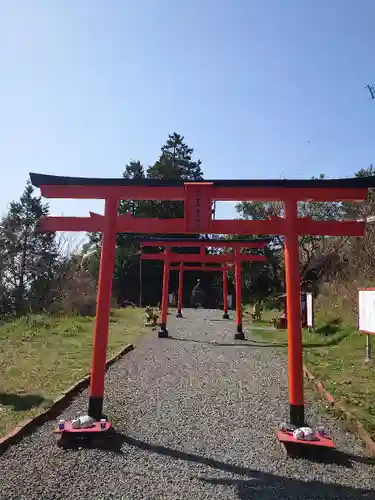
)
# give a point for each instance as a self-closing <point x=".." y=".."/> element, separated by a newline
<point x="95" y="429"/>
<point x="288" y="438"/>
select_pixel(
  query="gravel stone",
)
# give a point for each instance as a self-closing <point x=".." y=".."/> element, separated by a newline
<point x="196" y="415"/>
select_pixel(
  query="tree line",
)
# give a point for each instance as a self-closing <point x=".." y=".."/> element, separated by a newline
<point x="39" y="274"/>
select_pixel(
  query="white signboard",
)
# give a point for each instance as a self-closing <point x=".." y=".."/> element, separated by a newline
<point x="366" y="310"/>
<point x="310" y="310"/>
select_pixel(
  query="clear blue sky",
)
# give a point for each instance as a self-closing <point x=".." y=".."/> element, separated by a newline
<point x="265" y="88"/>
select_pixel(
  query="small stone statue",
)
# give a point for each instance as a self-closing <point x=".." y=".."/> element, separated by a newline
<point x="151" y="317"/>
<point x="198" y="295"/>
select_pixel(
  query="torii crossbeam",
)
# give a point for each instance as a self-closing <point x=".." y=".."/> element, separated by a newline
<point x="198" y="198"/>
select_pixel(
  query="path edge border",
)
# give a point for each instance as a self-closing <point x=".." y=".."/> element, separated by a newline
<point x="28" y="425"/>
<point x="353" y="423"/>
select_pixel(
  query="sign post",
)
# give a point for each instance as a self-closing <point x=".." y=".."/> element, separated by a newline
<point x="310" y="311"/>
<point x="366" y="317"/>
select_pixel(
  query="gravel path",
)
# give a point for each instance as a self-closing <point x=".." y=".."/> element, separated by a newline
<point x="197" y="417"/>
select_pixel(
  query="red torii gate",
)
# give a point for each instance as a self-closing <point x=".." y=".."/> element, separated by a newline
<point x="224" y="269"/>
<point x="198" y="197"/>
<point x="235" y="257"/>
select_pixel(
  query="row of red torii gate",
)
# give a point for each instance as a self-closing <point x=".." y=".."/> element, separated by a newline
<point x="233" y="256"/>
<point x="198" y="198"/>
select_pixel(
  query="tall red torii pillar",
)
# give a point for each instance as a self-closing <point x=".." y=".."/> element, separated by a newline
<point x="225" y="295"/>
<point x="198" y="198"/>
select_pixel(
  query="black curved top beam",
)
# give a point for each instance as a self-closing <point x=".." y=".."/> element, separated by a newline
<point x="351" y="182"/>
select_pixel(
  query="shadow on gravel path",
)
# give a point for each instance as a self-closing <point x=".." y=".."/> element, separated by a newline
<point x="220" y="320"/>
<point x="270" y="487"/>
<point x="254" y="483"/>
<point x="241" y="343"/>
<point x="118" y="439"/>
<point x="244" y="343"/>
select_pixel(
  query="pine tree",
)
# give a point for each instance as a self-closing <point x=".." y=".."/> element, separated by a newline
<point x="28" y="255"/>
<point x="133" y="170"/>
<point x="175" y="162"/>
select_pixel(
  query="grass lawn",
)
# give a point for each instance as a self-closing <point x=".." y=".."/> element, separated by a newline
<point x="335" y="354"/>
<point x="42" y="356"/>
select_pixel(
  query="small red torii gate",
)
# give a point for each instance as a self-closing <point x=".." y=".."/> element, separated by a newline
<point x="181" y="270"/>
<point x="235" y="257"/>
<point x="198" y="197"/>
<point x="224" y="269"/>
